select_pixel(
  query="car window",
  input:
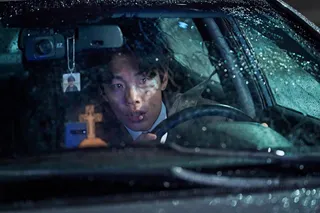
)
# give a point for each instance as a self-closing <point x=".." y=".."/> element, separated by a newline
<point x="187" y="45"/>
<point x="50" y="104"/>
<point x="290" y="63"/>
<point x="54" y="98"/>
<point x="9" y="52"/>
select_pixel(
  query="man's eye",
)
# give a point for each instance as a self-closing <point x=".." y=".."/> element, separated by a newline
<point x="143" y="80"/>
<point x="116" y="86"/>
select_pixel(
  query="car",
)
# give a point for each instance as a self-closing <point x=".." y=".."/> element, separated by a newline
<point x="238" y="84"/>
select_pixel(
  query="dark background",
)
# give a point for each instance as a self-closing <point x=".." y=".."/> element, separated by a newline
<point x="309" y="8"/>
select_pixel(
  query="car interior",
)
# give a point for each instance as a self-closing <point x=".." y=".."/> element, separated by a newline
<point x="43" y="117"/>
<point x="40" y="117"/>
<point x="35" y="84"/>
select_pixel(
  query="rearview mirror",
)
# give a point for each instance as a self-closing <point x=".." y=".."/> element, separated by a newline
<point x="99" y="37"/>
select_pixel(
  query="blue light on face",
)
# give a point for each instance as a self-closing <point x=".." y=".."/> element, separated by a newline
<point x="183" y="25"/>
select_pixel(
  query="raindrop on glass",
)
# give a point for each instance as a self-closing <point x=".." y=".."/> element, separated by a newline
<point x="166" y="184"/>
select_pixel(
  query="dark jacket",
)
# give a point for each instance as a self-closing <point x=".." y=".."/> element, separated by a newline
<point x="74" y="88"/>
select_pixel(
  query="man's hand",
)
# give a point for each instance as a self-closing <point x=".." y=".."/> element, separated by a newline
<point x="146" y="137"/>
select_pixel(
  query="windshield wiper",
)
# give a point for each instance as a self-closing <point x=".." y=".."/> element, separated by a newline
<point x="269" y="155"/>
<point x="243" y="182"/>
<point x="276" y="158"/>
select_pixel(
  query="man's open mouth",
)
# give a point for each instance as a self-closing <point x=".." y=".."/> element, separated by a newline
<point x="137" y="116"/>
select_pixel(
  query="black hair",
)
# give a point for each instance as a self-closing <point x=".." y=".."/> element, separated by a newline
<point x="150" y="64"/>
<point x="149" y="47"/>
<point x="71" y="78"/>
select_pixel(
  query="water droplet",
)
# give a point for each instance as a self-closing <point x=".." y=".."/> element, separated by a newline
<point x="248" y="199"/>
<point x="247" y="82"/>
<point x="280" y="153"/>
<point x="166" y="184"/>
<point x="204" y="128"/>
<point x="214" y="202"/>
<point x="175" y="202"/>
<point x="161" y="211"/>
<point x="305" y="202"/>
<point x="240" y="196"/>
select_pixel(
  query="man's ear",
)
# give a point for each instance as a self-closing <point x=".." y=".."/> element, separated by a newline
<point x="164" y="82"/>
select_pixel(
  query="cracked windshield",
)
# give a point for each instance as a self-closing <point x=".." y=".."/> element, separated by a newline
<point x="237" y="80"/>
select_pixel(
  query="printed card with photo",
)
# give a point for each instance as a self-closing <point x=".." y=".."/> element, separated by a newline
<point x="71" y="82"/>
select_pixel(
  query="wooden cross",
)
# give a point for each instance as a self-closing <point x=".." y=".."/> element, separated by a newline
<point x="91" y="118"/>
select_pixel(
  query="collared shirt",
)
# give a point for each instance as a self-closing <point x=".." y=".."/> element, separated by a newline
<point x="161" y="117"/>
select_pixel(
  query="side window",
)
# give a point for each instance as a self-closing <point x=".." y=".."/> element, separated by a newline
<point x="188" y="46"/>
<point x="290" y="64"/>
<point x="10" y="55"/>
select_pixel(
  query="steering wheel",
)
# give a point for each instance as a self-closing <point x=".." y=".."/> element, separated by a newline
<point x="200" y="111"/>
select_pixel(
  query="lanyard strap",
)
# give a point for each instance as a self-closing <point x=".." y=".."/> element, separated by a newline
<point x="72" y="64"/>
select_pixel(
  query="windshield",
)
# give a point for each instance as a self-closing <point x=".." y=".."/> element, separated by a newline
<point x="290" y="64"/>
<point x="217" y="80"/>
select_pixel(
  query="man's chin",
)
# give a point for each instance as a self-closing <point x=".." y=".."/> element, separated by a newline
<point x="139" y="126"/>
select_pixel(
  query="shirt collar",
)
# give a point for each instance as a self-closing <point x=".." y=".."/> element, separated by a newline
<point x="161" y="117"/>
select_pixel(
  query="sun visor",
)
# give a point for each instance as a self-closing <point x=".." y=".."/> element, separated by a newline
<point x="99" y="37"/>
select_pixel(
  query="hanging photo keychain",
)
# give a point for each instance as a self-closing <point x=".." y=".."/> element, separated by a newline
<point x="71" y="81"/>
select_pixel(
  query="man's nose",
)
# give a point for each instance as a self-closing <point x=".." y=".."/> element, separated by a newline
<point x="133" y="96"/>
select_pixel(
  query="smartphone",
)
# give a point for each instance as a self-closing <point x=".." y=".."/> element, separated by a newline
<point x="75" y="133"/>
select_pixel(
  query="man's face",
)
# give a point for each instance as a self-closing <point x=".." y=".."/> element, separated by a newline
<point x="71" y="83"/>
<point x="134" y="96"/>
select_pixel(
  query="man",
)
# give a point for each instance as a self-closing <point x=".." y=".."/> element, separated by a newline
<point x="135" y="95"/>
<point x="134" y="88"/>
<point x="71" y="86"/>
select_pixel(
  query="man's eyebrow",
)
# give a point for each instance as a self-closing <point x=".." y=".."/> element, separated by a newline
<point x="116" y="77"/>
<point x="140" y="72"/>
<point x="149" y="73"/>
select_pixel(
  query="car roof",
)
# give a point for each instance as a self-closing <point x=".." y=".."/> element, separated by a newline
<point x="27" y="12"/>
<point x="62" y="3"/>
<point x="33" y="9"/>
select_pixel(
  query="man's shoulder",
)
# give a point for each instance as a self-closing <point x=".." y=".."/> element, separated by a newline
<point x="176" y="101"/>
